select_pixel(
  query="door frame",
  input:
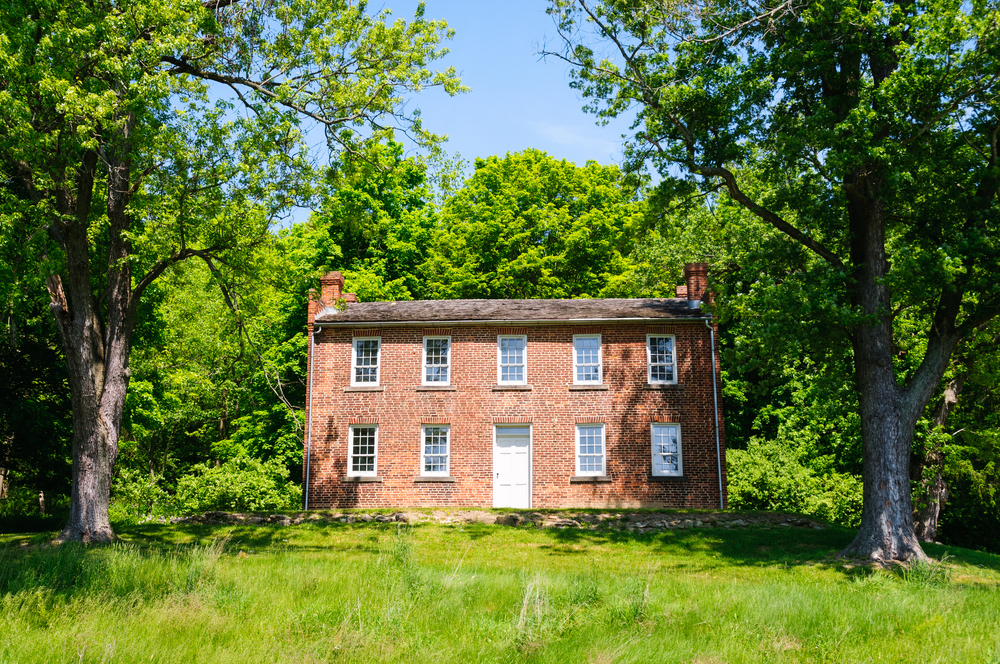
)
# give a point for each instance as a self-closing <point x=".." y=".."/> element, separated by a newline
<point x="531" y="464"/>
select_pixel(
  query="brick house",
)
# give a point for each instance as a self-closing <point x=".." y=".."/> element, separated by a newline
<point x="513" y="403"/>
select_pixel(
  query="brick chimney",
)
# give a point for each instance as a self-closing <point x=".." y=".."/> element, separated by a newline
<point x="696" y="283"/>
<point x="332" y="287"/>
<point x="331" y="290"/>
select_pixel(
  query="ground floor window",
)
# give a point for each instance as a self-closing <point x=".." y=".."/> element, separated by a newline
<point x="435" y="450"/>
<point x="667" y="450"/>
<point x="590" y="449"/>
<point x="362" y="454"/>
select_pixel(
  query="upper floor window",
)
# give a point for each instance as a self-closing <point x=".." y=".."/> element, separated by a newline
<point x="667" y="450"/>
<point x="660" y="358"/>
<point x="365" y="361"/>
<point x="437" y="360"/>
<point x="512" y="359"/>
<point x="435" y="451"/>
<point x="590" y="449"/>
<point x="587" y="358"/>
<point x="362" y="453"/>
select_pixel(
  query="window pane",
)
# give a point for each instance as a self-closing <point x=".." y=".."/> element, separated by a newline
<point x="512" y="374"/>
<point x="363" y="449"/>
<point x="512" y="359"/>
<point x="591" y="449"/>
<point x="587" y="352"/>
<point x="666" y="450"/>
<point x="435" y="449"/>
<point x="661" y="359"/>
<point x="436" y="361"/>
<point x="366" y="361"/>
<point x="661" y="373"/>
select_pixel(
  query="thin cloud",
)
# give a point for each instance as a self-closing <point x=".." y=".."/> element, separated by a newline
<point x="599" y="149"/>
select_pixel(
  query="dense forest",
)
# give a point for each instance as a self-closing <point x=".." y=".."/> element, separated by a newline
<point x="219" y="362"/>
<point x="154" y="292"/>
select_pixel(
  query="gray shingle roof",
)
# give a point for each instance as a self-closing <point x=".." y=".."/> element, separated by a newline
<point x="507" y="311"/>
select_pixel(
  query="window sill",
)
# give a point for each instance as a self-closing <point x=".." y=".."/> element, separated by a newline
<point x="594" y="387"/>
<point x="662" y="386"/>
<point x="365" y="388"/>
<point x="512" y="388"/>
<point x="434" y="479"/>
<point x="590" y="479"/>
<point x="666" y="478"/>
<point x="435" y="388"/>
<point x="363" y="479"/>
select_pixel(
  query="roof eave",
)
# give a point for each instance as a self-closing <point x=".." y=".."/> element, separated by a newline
<point x="496" y="323"/>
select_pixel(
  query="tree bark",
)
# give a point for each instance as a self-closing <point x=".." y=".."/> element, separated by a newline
<point x="886" y="532"/>
<point x="933" y="491"/>
<point x="96" y="348"/>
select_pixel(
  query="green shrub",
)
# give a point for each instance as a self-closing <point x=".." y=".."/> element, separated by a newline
<point x="771" y="476"/>
<point x="20" y="501"/>
<point x="842" y="499"/>
<point x="137" y="497"/>
<point x="242" y="484"/>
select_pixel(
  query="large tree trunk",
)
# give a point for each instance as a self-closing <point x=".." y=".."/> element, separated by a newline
<point x="96" y="348"/>
<point x="886" y="532"/>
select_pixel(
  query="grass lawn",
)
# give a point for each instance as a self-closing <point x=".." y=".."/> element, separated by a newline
<point x="484" y="593"/>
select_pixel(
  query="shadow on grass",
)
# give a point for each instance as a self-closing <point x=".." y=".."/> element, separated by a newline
<point x="747" y="546"/>
<point x="694" y="549"/>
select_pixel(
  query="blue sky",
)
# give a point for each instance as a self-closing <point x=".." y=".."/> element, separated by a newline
<point x="517" y="100"/>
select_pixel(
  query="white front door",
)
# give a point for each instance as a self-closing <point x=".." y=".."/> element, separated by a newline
<point x="512" y="467"/>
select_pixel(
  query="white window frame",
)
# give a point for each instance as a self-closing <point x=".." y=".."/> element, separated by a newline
<point x="604" y="450"/>
<point x="350" y="452"/>
<point x="500" y="380"/>
<point x="600" y="360"/>
<point x="423" y="451"/>
<point x="423" y="366"/>
<point x="652" y="449"/>
<point x="649" y="360"/>
<point x="354" y="363"/>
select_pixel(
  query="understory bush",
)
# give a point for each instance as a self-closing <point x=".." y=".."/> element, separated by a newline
<point x="21" y="510"/>
<point x="771" y="476"/>
<point x="243" y="484"/>
<point x="138" y="497"/>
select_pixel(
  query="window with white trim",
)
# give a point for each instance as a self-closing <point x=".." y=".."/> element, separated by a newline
<point x="587" y="356"/>
<point x="437" y="361"/>
<point x="365" y="360"/>
<point x="660" y="359"/>
<point x="435" y="451"/>
<point x="362" y="452"/>
<point x="667" y="450"/>
<point x="590" y="449"/>
<point x="512" y="359"/>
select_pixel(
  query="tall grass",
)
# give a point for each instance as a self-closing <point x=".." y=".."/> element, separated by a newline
<point x="485" y="593"/>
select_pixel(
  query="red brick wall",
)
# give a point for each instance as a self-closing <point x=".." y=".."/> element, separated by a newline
<point x="553" y="410"/>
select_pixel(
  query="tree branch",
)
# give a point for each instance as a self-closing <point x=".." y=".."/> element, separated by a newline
<point x="767" y="215"/>
<point x="183" y="66"/>
<point x="164" y="263"/>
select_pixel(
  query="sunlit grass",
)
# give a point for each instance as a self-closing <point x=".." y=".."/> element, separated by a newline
<point x="469" y="593"/>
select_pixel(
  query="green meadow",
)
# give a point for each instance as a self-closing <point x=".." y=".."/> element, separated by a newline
<point x="338" y="592"/>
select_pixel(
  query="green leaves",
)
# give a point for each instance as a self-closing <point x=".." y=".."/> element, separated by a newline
<point x="527" y="226"/>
